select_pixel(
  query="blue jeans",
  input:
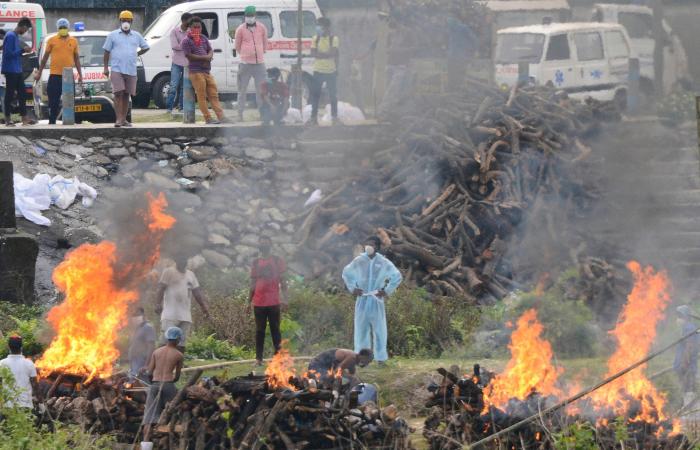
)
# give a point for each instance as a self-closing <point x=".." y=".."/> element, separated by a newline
<point x="2" y="98"/>
<point x="175" y="91"/>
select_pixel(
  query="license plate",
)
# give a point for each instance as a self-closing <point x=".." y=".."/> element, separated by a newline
<point x="88" y="108"/>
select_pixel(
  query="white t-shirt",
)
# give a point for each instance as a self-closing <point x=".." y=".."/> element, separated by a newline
<point x="22" y="369"/>
<point x="178" y="294"/>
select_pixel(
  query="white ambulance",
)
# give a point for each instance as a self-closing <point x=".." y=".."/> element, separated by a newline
<point x="220" y="19"/>
<point x="583" y="59"/>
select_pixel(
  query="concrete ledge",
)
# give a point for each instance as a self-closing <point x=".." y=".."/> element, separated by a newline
<point x="173" y="129"/>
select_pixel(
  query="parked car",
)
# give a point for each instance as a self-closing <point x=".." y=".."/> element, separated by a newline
<point x="220" y="19"/>
<point x="638" y="22"/>
<point x="583" y="59"/>
<point x="94" y="101"/>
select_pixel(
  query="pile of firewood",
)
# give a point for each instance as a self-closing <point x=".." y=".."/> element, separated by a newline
<point x="113" y="405"/>
<point x="457" y="417"/>
<point x="457" y="189"/>
<point x="245" y="412"/>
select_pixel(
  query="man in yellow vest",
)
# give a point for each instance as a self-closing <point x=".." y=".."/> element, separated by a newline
<point x="324" y="48"/>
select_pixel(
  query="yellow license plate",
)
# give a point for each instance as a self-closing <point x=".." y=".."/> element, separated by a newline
<point x="88" y="108"/>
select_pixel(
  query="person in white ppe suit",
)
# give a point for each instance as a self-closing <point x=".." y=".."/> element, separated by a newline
<point x="371" y="278"/>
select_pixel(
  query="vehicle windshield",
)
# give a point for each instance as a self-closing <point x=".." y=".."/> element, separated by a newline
<point x="163" y="25"/>
<point x="519" y="47"/>
<point x="91" y="53"/>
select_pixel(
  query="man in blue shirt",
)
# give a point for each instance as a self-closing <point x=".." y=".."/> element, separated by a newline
<point x="12" y="50"/>
<point x="122" y="49"/>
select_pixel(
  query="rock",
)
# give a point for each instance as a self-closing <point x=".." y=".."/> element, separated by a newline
<point x="218" y="141"/>
<point x="250" y="239"/>
<point x="245" y="250"/>
<point x="251" y="142"/>
<point x="129" y="142"/>
<point x="94" y="140"/>
<point x="24" y="140"/>
<point x="219" y="228"/>
<point x="220" y="166"/>
<point x="76" y="150"/>
<point x="182" y="139"/>
<point x="216" y="259"/>
<point x="173" y="150"/>
<point x="184" y="200"/>
<point x="146" y="146"/>
<point x="54" y="142"/>
<point x="160" y="182"/>
<point x="11" y="141"/>
<point x="218" y="239"/>
<point x="99" y="159"/>
<point x="198" y="141"/>
<point x="201" y="153"/>
<point x="262" y="154"/>
<point x="275" y="214"/>
<point x="62" y="161"/>
<point x="165" y="140"/>
<point x="229" y="218"/>
<point x="182" y="162"/>
<point x="230" y="150"/>
<point x="289" y="228"/>
<point x="48" y="146"/>
<point x="128" y="163"/>
<point x="95" y="171"/>
<point x="117" y="152"/>
<point x="198" y="170"/>
<point x="70" y="140"/>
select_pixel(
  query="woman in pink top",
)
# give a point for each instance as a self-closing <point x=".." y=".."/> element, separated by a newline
<point x="251" y="45"/>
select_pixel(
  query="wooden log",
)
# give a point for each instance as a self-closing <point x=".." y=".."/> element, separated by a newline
<point x="475" y="283"/>
<point x="170" y="408"/>
<point x="428" y="259"/>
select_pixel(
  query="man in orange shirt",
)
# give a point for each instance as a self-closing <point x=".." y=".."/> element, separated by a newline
<point x="64" y="52"/>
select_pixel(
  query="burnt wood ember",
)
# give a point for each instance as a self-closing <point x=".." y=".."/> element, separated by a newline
<point x="457" y="417"/>
<point x="453" y="194"/>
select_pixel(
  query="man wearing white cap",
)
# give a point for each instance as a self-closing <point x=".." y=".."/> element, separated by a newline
<point x="64" y="52"/>
<point x="164" y="370"/>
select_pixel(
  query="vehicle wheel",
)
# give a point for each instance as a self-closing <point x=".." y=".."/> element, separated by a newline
<point x="141" y="100"/>
<point x="621" y="100"/>
<point x="159" y="92"/>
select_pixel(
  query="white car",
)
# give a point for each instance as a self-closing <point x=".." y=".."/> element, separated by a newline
<point x="583" y="59"/>
<point x="220" y="19"/>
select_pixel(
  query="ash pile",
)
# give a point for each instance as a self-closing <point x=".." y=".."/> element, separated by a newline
<point x="469" y="176"/>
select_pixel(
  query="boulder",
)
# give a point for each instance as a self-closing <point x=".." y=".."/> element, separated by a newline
<point x="201" y="153"/>
<point x="218" y="239"/>
<point x="173" y="150"/>
<point x="216" y="259"/>
<point x="198" y="170"/>
<point x="95" y="171"/>
<point x="76" y="150"/>
<point x="262" y="154"/>
<point x="118" y="152"/>
<point x="146" y="146"/>
<point x="160" y="182"/>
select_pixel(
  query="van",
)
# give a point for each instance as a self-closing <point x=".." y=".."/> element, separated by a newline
<point x="638" y="22"/>
<point x="10" y="14"/>
<point x="583" y="59"/>
<point x="220" y="19"/>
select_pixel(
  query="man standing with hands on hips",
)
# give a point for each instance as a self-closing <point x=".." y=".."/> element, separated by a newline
<point x="64" y="53"/>
<point x="371" y="278"/>
<point x="122" y="49"/>
<point x="251" y="45"/>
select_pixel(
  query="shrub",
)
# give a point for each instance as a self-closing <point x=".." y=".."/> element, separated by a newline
<point x="208" y="347"/>
<point x="29" y="330"/>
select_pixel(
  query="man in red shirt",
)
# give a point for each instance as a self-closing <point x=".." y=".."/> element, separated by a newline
<point x="266" y="282"/>
<point x="275" y="98"/>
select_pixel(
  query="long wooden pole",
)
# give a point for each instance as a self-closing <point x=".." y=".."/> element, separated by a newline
<point x="580" y="395"/>
<point x="233" y="363"/>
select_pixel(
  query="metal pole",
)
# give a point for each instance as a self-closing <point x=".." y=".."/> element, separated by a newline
<point x="658" y="31"/>
<point x="68" y="96"/>
<point x="187" y="98"/>
<point x="297" y="98"/>
<point x="580" y="395"/>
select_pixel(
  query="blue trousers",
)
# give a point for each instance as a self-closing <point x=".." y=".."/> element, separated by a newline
<point x="370" y="326"/>
<point x="175" y="91"/>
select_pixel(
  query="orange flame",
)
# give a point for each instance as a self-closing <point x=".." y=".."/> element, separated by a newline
<point x="280" y="370"/>
<point x="99" y="287"/>
<point x="635" y="333"/>
<point x="530" y="368"/>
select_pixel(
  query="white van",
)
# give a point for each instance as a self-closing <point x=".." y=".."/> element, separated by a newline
<point x="584" y="59"/>
<point x="638" y="22"/>
<point x="220" y="19"/>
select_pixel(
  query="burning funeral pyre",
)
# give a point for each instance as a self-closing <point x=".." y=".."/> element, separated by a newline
<point x="467" y="409"/>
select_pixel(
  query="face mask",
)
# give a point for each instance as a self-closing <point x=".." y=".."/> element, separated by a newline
<point x="264" y="249"/>
<point x="126" y="26"/>
<point x="250" y="20"/>
<point x="369" y="249"/>
<point x="63" y="32"/>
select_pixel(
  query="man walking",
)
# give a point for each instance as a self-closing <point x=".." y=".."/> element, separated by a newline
<point x="251" y="45"/>
<point x="266" y="281"/>
<point x="275" y="98"/>
<point x="324" y="48"/>
<point x="199" y="54"/>
<point x="64" y="53"/>
<point x="122" y="49"/>
<point x="176" y="288"/>
<point x="179" y="61"/>
<point x="685" y="363"/>
<point x="141" y="343"/>
<point x="371" y="278"/>
<point x="164" y="369"/>
<point x="11" y="68"/>
<point x="24" y="373"/>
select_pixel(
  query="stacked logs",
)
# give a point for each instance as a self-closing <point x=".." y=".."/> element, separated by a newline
<point x="113" y="405"/>
<point x="245" y="413"/>
<point x="457" y="417"/>
<point x="457" y="189"/>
